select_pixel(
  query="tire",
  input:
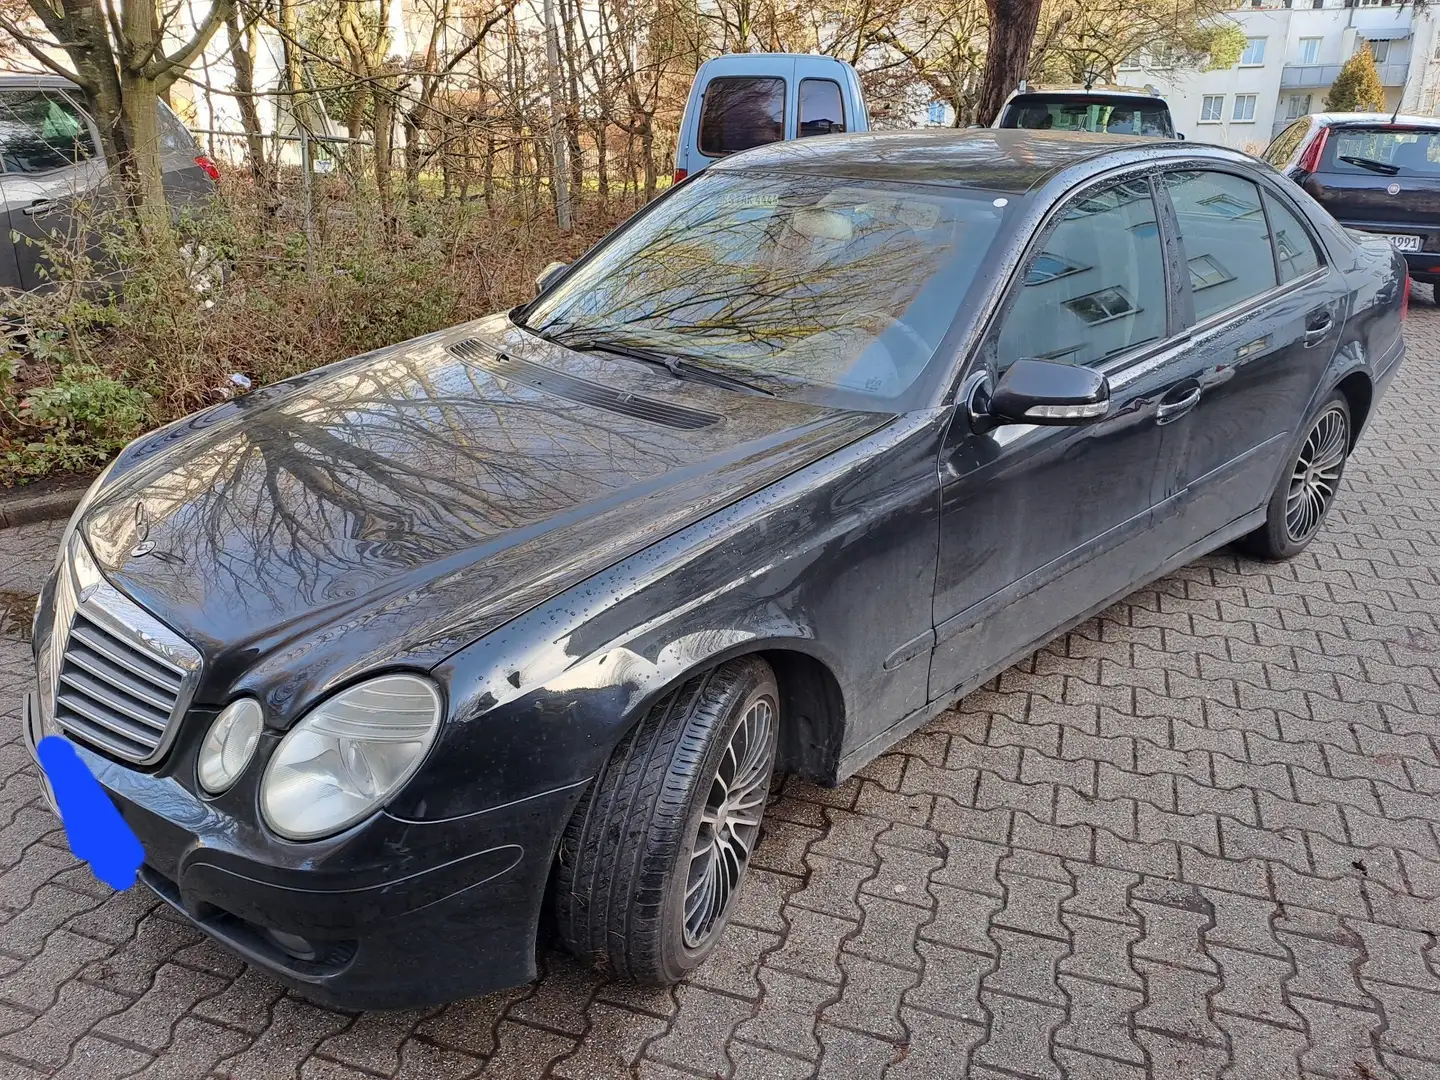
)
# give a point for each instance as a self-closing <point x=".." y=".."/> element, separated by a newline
<point x="1307" y="490"/>
<point x="626" y="898"/>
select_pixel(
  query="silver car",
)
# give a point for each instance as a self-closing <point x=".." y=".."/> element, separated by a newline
<point x="50" y="157"/>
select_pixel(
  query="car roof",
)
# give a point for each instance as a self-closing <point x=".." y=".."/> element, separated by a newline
<point x="1336" y="119"/>
<point x="12" y="80"/>
<point x="1011" y="160"/>
<point x="1080" y="91"/>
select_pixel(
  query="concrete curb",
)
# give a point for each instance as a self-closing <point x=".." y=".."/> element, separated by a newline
<point x="25" y="509"/>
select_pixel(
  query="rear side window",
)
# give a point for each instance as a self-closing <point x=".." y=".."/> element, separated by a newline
<point x="174" y="135"/>
<point x="1383" y="150"/>
<point x="1222" y="225"/>
<point x="1285" y="145"/>
<point x="41" y="130"/>
<point x="822" y="108"/>
<point x="1096" y="289"/>
<point x="739" y="113"/>
<point x="1295" y="252"/>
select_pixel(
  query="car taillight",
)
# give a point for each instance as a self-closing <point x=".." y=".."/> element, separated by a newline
<point x="680" y="174"/>
<point x="1405" y="300"/>
<point x="1310" y="159"/>
<point x="207" y="167"/>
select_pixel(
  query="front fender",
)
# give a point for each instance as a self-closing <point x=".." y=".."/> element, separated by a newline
<point x="835" y="562"/>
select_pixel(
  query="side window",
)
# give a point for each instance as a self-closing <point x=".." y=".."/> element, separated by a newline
<point x="1294" y="250"/>
<point x="1097" y="288"/>
<point x="1223" y="228"/>
<point x="174" y="135"/>
<point x="822" y="109"/>
<point x="1286" y="143"/>
<point x="739" y="113"/>
<point x="40" y="131"/>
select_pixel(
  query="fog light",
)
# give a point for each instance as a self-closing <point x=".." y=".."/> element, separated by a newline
<point x="293" y="944"/>
<point x="230" y="744"/>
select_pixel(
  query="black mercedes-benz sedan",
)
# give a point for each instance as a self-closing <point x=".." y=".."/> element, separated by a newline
<point x="393" y="665"/>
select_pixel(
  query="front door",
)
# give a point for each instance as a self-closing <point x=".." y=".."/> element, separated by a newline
<point x="1267" y="318"/>
<point x="1040" y="525"/>
<point x="51" y="160"/>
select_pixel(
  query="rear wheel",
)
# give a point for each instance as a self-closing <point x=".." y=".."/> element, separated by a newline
<point x="1303" y="498"/>
<point x="658" y="848"/>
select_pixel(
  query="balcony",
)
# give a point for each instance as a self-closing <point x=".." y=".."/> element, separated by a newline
<point x="1323" y="75"/>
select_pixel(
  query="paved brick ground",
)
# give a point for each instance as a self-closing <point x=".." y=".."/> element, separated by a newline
<point x="1194" y="838"/>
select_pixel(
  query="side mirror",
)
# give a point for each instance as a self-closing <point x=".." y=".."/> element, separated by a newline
<point x="1043" y="392"/>
<point x="546" y="277"/>
<point x="1180" y="135"/>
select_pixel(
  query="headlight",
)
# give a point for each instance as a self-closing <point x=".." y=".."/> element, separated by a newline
<point x="348" y="755"/>
<point x="80" y="508"/>
<point x="230" y="744"/>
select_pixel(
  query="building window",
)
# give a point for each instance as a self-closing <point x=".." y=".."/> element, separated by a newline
<point x="1309" y="50"/>
<point x="1379" y="49"/>
<point x="1130" y="63"/>
<point x="1210" y="108"/>
<point x="1297" y="106"/>
<point x="1254" y="52"/>
<point x="1244" y="108"/>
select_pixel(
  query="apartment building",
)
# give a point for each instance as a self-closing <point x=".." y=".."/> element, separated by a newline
<point x="1294" y="51"/>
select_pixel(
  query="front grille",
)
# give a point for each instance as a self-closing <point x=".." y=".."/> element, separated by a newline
<point x="115" y="678"/>
<point x="114" y="694"/>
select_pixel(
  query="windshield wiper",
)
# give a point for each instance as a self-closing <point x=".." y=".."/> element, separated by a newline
<point x="677" y="366"/>
<point x="1371" y="164"/>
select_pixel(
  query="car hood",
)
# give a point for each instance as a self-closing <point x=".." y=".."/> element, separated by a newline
<point x="394" y="508"/>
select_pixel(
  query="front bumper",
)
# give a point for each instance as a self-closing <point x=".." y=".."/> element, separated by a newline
<point x="392" y="914"/>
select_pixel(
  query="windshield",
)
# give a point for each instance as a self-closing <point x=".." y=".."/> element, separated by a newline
<point x="831" y="289"/>
<point x="1405" y="152"/>
<point x="1081" y="112"/>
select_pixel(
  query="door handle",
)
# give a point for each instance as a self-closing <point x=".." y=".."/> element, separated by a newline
<point x="39" y="206"/>
<point x="1317" y="328"/>
<point x="1170" y="411"/>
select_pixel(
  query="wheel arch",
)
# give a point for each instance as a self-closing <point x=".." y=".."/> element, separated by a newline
<point x="1359" y="393"/>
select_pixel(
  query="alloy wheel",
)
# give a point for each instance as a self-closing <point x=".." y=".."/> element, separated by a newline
<point x="1316" y="474"/>
<point x="729" y="823"/>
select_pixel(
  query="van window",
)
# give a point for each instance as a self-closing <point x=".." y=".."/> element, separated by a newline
<point x="741" y="112"/>
<point x="40" y="131"/>
<point x="822" y="108"/>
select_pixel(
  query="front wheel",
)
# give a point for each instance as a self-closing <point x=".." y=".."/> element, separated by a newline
<point x="1303" y="498"/>
<point x="658" y="848"/>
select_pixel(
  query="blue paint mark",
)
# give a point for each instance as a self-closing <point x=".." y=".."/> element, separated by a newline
<point x="95" y="829"/>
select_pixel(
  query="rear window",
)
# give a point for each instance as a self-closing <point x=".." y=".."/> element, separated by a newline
<point x="739" y="113"/>
<point x="1082" y="112"/>
<point x="174" y="135"/>
<point x="1383" y="150"/>
<point x="822" y="108"/>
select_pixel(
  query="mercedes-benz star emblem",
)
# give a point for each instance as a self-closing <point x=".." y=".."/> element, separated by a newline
<point x="143" y="544"/>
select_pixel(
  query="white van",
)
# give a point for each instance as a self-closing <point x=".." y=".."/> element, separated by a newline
<point x="747" y="99"/>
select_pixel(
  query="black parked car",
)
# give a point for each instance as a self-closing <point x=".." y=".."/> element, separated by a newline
<point x="377" y="659"/>
<point x="1374" y="172"/>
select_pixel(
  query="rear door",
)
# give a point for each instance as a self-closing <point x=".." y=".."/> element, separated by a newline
<point x="1382" y="178"/>
<point x="1267" y="313"/>
<point x="51" y="160"/>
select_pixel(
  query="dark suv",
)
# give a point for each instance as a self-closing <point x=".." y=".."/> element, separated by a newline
<point x="1374" y="172"/>
<point x="50" y="157"/>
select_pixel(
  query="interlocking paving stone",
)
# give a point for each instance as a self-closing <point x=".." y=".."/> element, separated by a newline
<point x="1195" y="837"/>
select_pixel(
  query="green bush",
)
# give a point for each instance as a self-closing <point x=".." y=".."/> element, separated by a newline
<point x="101" y="355"/>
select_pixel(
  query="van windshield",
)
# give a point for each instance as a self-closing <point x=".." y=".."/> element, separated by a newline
<point x="1089" y="112"/>
<point x="825" y="288"/>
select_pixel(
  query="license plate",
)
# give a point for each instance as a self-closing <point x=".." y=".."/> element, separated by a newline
<point x="1401" y="242"/>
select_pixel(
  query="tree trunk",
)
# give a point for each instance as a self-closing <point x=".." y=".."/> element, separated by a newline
<point x="647" y="157"/>
<point x="384" y="129"/>
<point x="243" y="65"/>
<point x="1007" y="60"/>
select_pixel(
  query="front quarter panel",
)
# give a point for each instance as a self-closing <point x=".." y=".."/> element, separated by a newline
<point x="836" y="562"/>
